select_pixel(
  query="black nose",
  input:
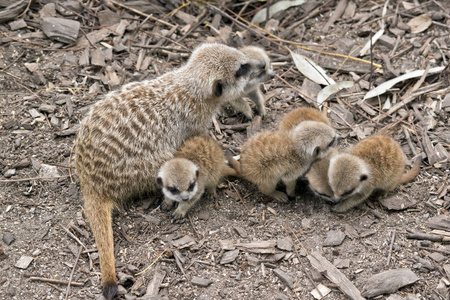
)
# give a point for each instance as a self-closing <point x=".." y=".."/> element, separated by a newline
<point x="262" y="64"/>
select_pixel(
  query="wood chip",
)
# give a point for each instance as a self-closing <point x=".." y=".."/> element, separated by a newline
<point x="184" y="242"/>
<point x="441" y="222"/>
<point x="332" y="273"/>
<point x="334" y="238"/>
<point x="61" y="30"/>
<point x="200" y="281"/>
<point x="285" y="278"/>
<point x="8" y="238"/>
<point x="436" y="256"/>
<point x="226" y="245"/>
<point x="229" y="256"/>
<point x="398" y="202"/>
<point x="323" y="291"/>
<point x="388" y="282"/>
<point x="23" y="262"/>
<point x="285" y="243"/>
<point x="341" y="263"/>
<point x="155" y="283"/>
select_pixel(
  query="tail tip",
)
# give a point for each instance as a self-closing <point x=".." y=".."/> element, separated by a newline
<point x="109" y="290"/>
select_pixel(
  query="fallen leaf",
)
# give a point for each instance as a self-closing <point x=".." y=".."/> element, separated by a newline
<point x="310" y="70"/>
<point x="420" y="23"/>
<point x="331" y="89"/>
<point x="273" y="9"/>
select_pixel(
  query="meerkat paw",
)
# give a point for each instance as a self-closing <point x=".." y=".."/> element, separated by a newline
<point x="262" y="112"/>
<point x="178" y="214"/>
<point x="280" y="196"/>
<point x="341" y="207"/>
<point x="166" y="205"/>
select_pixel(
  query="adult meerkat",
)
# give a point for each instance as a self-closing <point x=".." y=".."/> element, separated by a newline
<point x="375" y="164"/>
<point x="127" y="136"/>
<point x="296" y="116"/>
<point x="198" y="165"/>
<point x="269" y="157"/>
<point x="252" y="90"/>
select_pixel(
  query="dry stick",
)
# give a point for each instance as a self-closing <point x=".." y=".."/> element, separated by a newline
<point x="156" y="259"/>
<point x="22" y="41"/>
<point x="74" y="237"/>
<point x="25" y="11"/>
<point x="408" y="139"/>
<point x="55" y="287"/>
<point x="43" y="279"/>
<point x="71" y="273"/>
<point x="33" y="178"/>
<point x="142" y="14"/>
<point x="435" y="250"/>
<point x="70" y="157"/>
<point x="217" y="10"/>
<point x="239" y="195"/>
<point x="199" y="20"/>
<point x="390" y="249"/>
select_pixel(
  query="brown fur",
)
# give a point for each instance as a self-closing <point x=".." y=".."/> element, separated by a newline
<point x="269" y="157"/>
<point x="198" y="165"/>
<point x="128" y="135"/>
<point x="375" y="164"/>
<point x="317" y="176"/>
<point x="252" y="90"/>
<point x="295" y="117"/>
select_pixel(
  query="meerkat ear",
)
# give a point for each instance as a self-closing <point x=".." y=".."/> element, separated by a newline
<point x="218" y="88"/>
<point x="316" y="152"/>
<point x="159" y="181"/>
<point x="363" y="177"/>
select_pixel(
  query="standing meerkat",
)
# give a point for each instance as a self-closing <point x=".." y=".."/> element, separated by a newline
<point x="198" y="165"/>
<point x="375" y="164"/>
<point x="296" y="116"/>
<point x="271" y="156"/>
<point x="127" y="136"/>
<point x="252" y="90"/>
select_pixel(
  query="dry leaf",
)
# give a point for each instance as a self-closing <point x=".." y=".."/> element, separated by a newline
<point x="367" y="46"/>
<point x="420" y="23"/>
<point x="279" y="6"/>
<point x="382" y="88"/>
<point x="331" y="89"/>
<point x="310" y="70"/>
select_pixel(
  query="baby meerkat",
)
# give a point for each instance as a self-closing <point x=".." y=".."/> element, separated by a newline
<point x="295" y="117"/>
<point x="252" y="90"/>
<point x="198" y="165"/>
<point x="375" y="164"/>
<point x="127" y="136"/>
<point x="269" y="157"/>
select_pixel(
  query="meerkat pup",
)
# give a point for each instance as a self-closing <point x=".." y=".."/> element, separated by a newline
<point x="198" y="165"/>
<point x="375" y="164"/>
<point x="127" y="136"/>
<point x="296" y="116"/>
<point x="252" y="90"/>
<point x="269" y="157"/>
<point x="317" y="175"/>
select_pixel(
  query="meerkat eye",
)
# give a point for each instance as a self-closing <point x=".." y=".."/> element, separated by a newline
<point x="243" y="70"/>
<point x="218" y="88"/>
<point x="316" y="151"/>
<point x="191" y="187"/>
<point x="347" y="193"/>
<point x="363" y="177"/>
<point x="262" y="64"/>
<point x="332" y="142"/>
<point x="159" y="181"/>
<point x="173" y="190"/>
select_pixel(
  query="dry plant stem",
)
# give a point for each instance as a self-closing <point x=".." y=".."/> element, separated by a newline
<point x="33" y="178"/>
<point x="22" y="41"/>
<point x="391" y="246"/>
<point x="217" y="10"/>
<point x="408" y="139"/>
<point x="55" y="281"/>
<point x="71" y="273"/>
<point x="25" y="11"/>
<point x="199" y="20"/>
<point x="74" y="237"/>
<point x="435" y="250"/>
<point x="197" y="235"/>
<point x="70" y="158"/>
<point x="55" y="287"/>
<point x="141" y="13"/>
<point x="239" y="195"/>
<point x="156" y="259"/>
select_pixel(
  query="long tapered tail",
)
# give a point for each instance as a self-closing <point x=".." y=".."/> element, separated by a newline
<point x="235" y="169"/>
<point x="412" y="173"/>
<point x="98" y="211"/>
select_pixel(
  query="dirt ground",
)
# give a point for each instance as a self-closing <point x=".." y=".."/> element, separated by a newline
<point x="47" y="86"/>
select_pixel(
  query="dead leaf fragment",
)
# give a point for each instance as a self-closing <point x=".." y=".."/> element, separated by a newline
<point x="420" y="23"/>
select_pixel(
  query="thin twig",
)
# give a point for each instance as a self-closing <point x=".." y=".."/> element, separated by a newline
<point x="32" y="178"/>
<point x="22" y="41"/>
<point x="391" y="246"/>
<point x="239" y="195"/>
<point x="43" y="279"/>
<point x="156" y="259"/>
<point x="70" y="157"/>
<point x="71" y="273"/>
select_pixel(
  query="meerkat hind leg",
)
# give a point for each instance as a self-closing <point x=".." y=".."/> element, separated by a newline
<point x="290" y="188"/>
<point x="269" y="189"/>
<point x="258" y="98"/>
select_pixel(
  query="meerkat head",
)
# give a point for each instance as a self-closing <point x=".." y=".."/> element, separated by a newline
<point x="218" y="72"/>
<point x="315" y="139"/>
<point x="178" y="179"/>
<point x="261" y="60"/>
<point x="347" y="175"/>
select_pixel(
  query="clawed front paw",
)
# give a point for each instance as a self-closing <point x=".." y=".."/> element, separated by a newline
<point x="166" y="206"/>
<point x="178" y="215"/>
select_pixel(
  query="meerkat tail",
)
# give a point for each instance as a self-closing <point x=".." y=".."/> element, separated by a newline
<point x="99" y="214"/>
<point x="236" y="165"/>
<point x="413" y="172"/>
<point x="229" y="171"/>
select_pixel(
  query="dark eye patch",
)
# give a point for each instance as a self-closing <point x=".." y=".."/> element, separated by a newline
<point x="243" y="70"/>
<point x="332" y="142"/>
<point x="173" y="190"/>
<point x="191" y="187"/>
